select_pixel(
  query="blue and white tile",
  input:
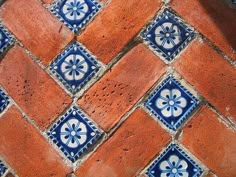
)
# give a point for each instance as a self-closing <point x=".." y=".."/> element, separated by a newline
<point x="171" y="103"/>
<point x="75" y="13"/>
<point x="168" y="35"/>
<point x="4" y="100"/>
<point x="3" y="168"/>
<point x="6" y="39"/>
<point x="174" y="162"/>
<point x="74" y="133"/>
<point x="74" y="67"/>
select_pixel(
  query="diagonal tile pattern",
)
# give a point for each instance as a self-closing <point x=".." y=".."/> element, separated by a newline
<point x="171" y="103"/>
<point x="52" y="126"/>
<point x="74" y="67"/>
<point x="74" y="133"/>
<point x="75" y="13"/>
<point x="168" y="35"/>
<point x="174" y="162"/>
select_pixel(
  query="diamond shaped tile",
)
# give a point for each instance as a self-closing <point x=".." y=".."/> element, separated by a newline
<point x="74" y="133"/>
<point x="171" y="103"/>
<point x="168" y="35"/>
<point x="5" y="39"/>
<point x="3" y="168"/>
<point x="174" y="162"/>
<point x="4" y="100"/>
<point x="75" y="13"/>
<point x="74" y="67"/>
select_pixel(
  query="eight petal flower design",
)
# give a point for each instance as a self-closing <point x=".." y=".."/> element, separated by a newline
<point x="73" y="133"/>
<point x="75" y="9"/>
<point x="171" y="102"/>
<point x="74" y="67"/>
<point x="167" y="35"/>
<point x="174" y="167"/>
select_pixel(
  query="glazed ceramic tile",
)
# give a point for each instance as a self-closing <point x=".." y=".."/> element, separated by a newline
<point x="4" y="101"/>
<point x="5" y="39"/>
<point x="168" y="35"/>
<point x="174" y="162"/>
<point x="75" y="13"/>
<point x="74" y="133"/>
<point x="171" y="103"/>
<point x="3" y="169"/>
<point x="74" y="67"/>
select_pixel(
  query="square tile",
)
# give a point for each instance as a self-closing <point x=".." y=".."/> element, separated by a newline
<point x="3" y="168"/>
<point x="174" y="162"/>
<point x="168" y="35"/>
<point x="5" y="39"/>
<point x="4" y="101"/>
<point x="74" y="67"/>
<point x="171" y="103"/>
<point x="74" y="133"/>
<point x="75" y="13"/>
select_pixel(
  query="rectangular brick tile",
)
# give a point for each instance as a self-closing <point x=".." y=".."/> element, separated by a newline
<point x="26" y="151"/>
<point x="211" y="75"/>
<point x="33" y="90"/>
<point x="36" y="28"/>
<point x="212" y="142"/>
<point x="116" y="25"/>
<point x="125" y="154"/>
<point x="111" y="97"/>
<point x="213" y="18"/>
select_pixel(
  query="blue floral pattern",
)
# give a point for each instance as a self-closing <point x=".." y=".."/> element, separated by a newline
<point x="75" y="9"/>
<point x="171" y="103"/>
<point x="75" y="14"/>
<point x="74" y="67"/>
<point x="174" y="167"/>
<point x="74" y="133"/>
<point x="168" y="35"/>
<point x="174" y="162"/>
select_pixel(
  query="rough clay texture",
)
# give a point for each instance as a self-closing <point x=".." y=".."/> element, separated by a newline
<point x="123" y="154"/>
<point x="114" y="99"/>
<point x="205" y="133"/>
<point x="109" y="99"/>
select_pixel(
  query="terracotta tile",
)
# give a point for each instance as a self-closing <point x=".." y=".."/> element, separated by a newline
<point x="25" y="150"/>
<point x="126" y="152"/>
<point x="116" y="25"/>
<point x="212" y="142"/>
<point x="112" y="96"/>
<point x="33" y="90"/>
<point x="211" y="75"/>
<point x="213" y="18"/>
<point x="36" y="28"/>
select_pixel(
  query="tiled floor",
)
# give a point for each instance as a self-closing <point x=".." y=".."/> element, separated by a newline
<point x="117" y="88"/>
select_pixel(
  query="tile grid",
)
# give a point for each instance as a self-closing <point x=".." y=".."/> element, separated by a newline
<point x="137" y="105"/>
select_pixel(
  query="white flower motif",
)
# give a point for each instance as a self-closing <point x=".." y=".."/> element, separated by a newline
<point x="171" y="102"/>
<point x="167" y="35"/>
<point x="74" y="67"/>
<point x="75" y="9"/>
<point x="73" y="133"/>
<point x="174" y="167"/>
